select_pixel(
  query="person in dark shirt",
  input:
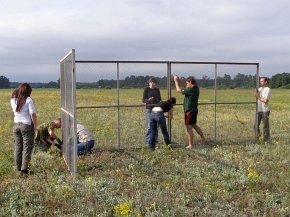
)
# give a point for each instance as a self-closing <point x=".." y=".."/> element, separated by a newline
<point x="157" y="117"/>
<point x="151" y="96"/>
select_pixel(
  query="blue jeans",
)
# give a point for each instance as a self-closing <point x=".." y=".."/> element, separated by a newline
<point x="148" y="130"/>
<point x="85" y="147"/>
<point x="23" y="145"/>
<point x="157" y="118"/>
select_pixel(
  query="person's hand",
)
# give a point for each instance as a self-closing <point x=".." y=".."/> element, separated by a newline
<point x="151" y="98"/>
<point x="176" y="78"/>
<point x="59" y="142"/>
<point x="58" y="146"/>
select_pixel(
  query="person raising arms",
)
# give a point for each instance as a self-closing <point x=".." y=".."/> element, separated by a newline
<point x="190" y="90"/>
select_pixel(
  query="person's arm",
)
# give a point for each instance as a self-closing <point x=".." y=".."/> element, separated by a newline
<point x="49" y="141"/>
<point x="52" y="134"/>
<point x="34" y="120"/>
<point x="159" y="95"/>
<point x="45" y="142"/>
<point x="264" y="100"/>
<point x="52" y="142"/>
<point x="258" y="97"/>
<point x="176" y="81"/>
<point x="145" y="95"/>
<point x="170" y="114"/>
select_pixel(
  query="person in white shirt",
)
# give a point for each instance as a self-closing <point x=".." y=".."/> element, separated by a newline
<point x="25" y="125"/>
<point x="85" y="139"/>
<point x="263" y="97"/>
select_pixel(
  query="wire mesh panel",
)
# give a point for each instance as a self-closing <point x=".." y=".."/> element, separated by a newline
<point x="218" y="106"/>
<point x="123" y="90"/>
<point x="108" y="96"/>
<point x="68" y="110"/>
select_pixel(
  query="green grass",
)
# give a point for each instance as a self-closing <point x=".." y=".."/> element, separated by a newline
<point x="234" y="176"/>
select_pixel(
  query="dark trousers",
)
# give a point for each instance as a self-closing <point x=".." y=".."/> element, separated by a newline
<point x="264" y="117"/>
<point x="23" y="144"/>
<point x="157" y="118"/>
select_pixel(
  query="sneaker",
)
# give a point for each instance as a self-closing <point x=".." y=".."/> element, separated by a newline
<point x="27" y="172"/>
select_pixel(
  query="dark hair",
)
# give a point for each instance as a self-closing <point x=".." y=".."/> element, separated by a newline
<point x="172" y="100"/>
<point x="191" y="80"/>
<point x="265" y="78"/>
<point x="20" y="94"/>
<point x="152" y="79"/>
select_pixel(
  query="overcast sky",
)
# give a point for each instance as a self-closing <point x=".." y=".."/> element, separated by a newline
<point x="35" y="35"/>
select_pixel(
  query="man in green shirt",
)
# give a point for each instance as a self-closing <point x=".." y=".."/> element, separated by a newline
<point x="45" y="136"/>
<point x="190" y="90"/>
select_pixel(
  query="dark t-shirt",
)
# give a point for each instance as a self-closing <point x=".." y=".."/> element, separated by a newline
<point x="166" y="106"/>
<point x="151" y="92"/>
<point x="191" y="96"/>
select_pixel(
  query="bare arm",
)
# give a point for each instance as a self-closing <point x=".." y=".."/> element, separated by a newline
<point x="182" y="83"/>
<point x="176" y="81"/>
<point x="49" y="141"/>
<point x="257" y="95"/>
<point x="34" y="120"/>
<point x="170" y="114"/>
<point x="53" y="135"/>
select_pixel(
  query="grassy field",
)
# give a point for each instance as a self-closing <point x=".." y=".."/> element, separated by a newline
<point x="231" y="176"/>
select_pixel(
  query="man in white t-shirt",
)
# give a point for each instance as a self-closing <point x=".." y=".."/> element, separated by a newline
<point x="263" y="97"/>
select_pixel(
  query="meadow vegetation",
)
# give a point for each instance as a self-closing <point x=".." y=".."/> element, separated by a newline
<point x="233" y="175"/>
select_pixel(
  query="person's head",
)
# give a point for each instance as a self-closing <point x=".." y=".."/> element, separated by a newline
<point x="57" y="123"/>
<point x="152" y="82"/>
<point x="190" y="82"/>
<point x="172" y="100"/>
<point x="20" y="94"/>
<point x="264" y="81"/>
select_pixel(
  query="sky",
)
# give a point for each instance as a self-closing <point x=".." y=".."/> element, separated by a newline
<point x="36" y="34"/>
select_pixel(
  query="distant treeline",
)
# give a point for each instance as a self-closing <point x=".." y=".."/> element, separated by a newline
<point x="239" y="81"/>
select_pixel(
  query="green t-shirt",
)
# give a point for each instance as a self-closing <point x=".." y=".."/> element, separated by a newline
<point x="190" y="101"/>
<point x="43" y="131"/>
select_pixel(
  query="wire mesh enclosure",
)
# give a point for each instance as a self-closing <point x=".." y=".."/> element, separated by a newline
<point x="111" y="106"/>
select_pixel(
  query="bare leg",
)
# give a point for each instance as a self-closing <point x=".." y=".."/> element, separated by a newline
<point x="199" y="131"/>
<point x="189" y="136"/>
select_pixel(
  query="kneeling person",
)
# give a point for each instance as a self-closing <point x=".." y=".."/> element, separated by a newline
<point x="45" y="136"/>
<point x="85" y="139"/>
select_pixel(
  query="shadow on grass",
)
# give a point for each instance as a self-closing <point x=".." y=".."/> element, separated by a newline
<point x="198" y="151"/>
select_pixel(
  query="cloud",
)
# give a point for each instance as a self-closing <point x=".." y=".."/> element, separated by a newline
<point x="36" y="35"/>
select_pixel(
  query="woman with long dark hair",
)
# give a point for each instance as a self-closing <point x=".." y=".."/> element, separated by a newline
<point x="25" y="125"/>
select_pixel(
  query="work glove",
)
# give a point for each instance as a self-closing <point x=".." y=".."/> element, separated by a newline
<point x="59" y="142"/>
<point x="58" y="146"/>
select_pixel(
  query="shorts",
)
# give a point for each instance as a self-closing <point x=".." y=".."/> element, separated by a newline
<point x="190" y="117"/>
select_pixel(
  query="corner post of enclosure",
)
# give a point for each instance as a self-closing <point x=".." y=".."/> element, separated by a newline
<point x="74" y="115"/>
<point x="215" y="93"/>
<point x="256" y="113"/>
<point x="118" y="103"/>
<point x="169" y="94"/>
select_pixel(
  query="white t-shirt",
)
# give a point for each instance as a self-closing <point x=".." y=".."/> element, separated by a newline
<point x="265" y="93"/>
<point x="24" y="115"/>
